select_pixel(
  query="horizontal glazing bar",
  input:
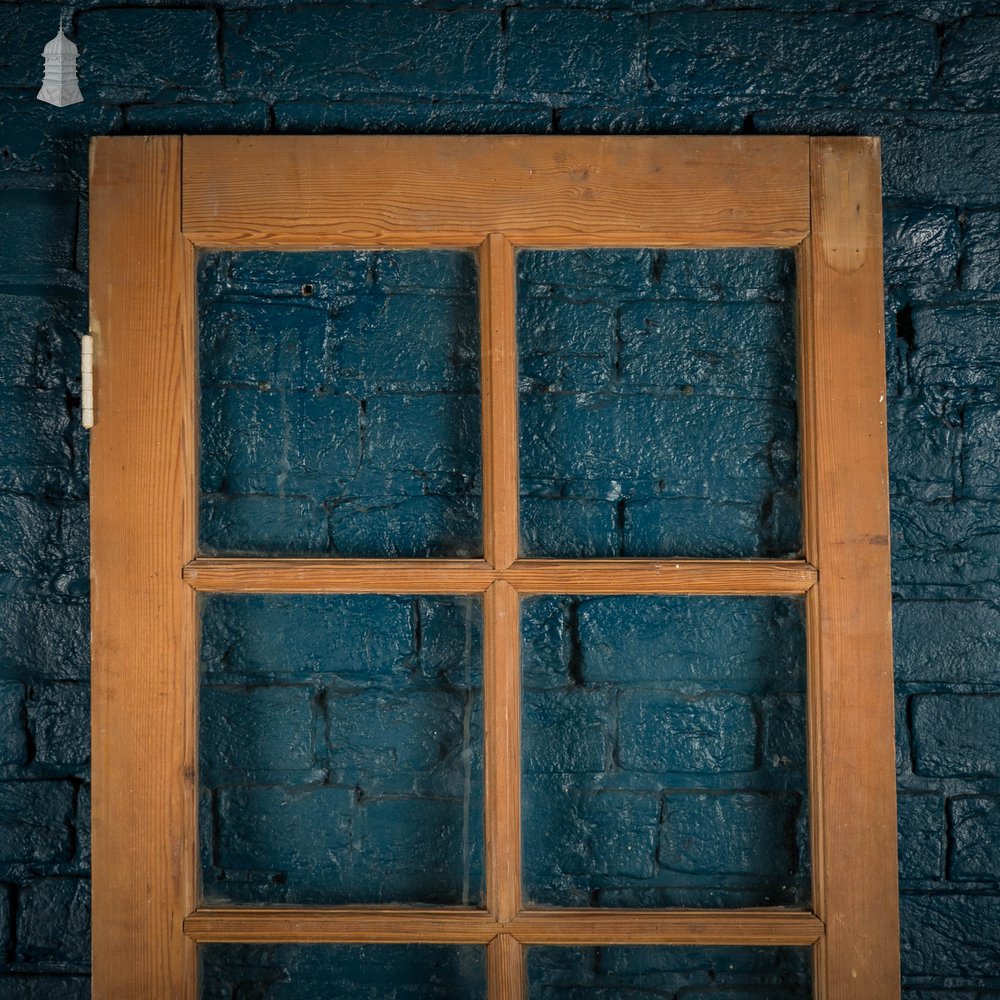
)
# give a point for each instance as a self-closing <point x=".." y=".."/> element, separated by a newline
<point x="527" y="576"/>
<point x="339" y="576"/>
<point x="661" y="576"/>
<point x="359" y="924"/>
<point x="694" y="927"/>
<point x="553" y="927"/>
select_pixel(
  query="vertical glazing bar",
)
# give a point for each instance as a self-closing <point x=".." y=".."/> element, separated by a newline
<point x="846" y="527"/>
<point x="501" y="697"/>
<point x="497" y="289"/>
<point x="143" y="476"/>
<point x="505" y="972"/>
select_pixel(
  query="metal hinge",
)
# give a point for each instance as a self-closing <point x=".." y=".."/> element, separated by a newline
<point x="87" y="381"/>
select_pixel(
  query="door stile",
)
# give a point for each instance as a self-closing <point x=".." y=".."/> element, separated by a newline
<point x="848" y="613"/>
<point x="143" y="531"/>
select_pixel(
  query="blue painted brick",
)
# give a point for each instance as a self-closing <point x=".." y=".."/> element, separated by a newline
<point x="921" y="836"/>
<point x="83" y="827"/>
<point x="922" y="248"/>
<point x="944" y="932"/>
<point x="741" y="349"/>
<point x="433" y="272"/>
<point x="320" y="52"/>
<point x="956" y="734"/>
<point x="29" y="542"/>
<point x="981" y="260"/>
<point x="542" y="273"/>
<point x="729" y="55"/>
<point x="261" y="341"/>
<point x="24" y="30"/>
<point x="567" y="730"/>
<point x="277" y="442"/>
<point x="451" y="635"/>
<point x="945" y="544"/>
<point x="711" y="527"/>
<point x="408" y="526"/>
<point x="39" y="230"/>
<point x="631" y="118"/>
<point x="13" y="737"/>
<point x="59" y="718"/>
<point x="956" y="639"/>
<point x="5" y="921"/>
<point x="316" y="972"/>
<point x="274" y="277"/>
<point x="282" y="525"/>
<point x="565" y="343"/>
<point x="980" y="456"/>
<point x="357" y="638"/>
<point x="197" y="119"/>
<point x="376" y="337"/>
<point x="576" y="841"/>
<point x="35" y="821"/>
<point x="44" y="638"/>
<point x="569" y="528"/>
<point x="35" y="452"/>
<point x="434" y="433"/>
<point x="135" y="53"/>
<point x="426" y="742"/>
<point x="609" y="973"/>
<point x="546" y="641"/>
<point x="923" y="448"/>
<point x="783" y="747"/>
<point x="41" y="340"/>
<point x="257" y="729"/>
<point x="949" y="347"/>
<point x="969" y="72"/>
<point x="730" y="275"/>
<point x="682" y="440"/>
<point x="757" y="839"/>
<point x="641" y="640"/>
<point x="421" y="116"/>
<point x="573" y="52"/>
<point x="53" y="924"/>
<point x="45" y="987"/>
<point x="387" y="850"/>
<point x="708" y="733"/>
<point x="974" y="823"/>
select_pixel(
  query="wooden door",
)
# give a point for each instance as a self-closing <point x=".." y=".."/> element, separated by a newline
<point x="156" y="201"/>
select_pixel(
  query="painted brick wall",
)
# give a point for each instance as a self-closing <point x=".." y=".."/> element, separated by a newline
<point x="922" y="74"/>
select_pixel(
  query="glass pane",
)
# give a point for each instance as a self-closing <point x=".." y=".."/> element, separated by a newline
<point x="340" y="404"/>
<point x="341" y="749"/>
<point x="351" y="972"/>
<point x="620" y="973"/>
<point x="657" y="403"/>
<point x="664" y="752"/>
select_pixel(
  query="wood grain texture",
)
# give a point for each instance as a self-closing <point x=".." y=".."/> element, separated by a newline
<point x="453" y="191"/>
<point x="665" y="927"/>
<point x="350" y="924"/>
<point x="846" y="528"/>
<point x="143" y="472"/>
<point x="661" y="576"/>
<point x="497" y="296"/>
<point x="339" y="576"/>
<point x="506" y="975"/>
<point x="502" y="711"/>
<point x="473" y="576"/>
